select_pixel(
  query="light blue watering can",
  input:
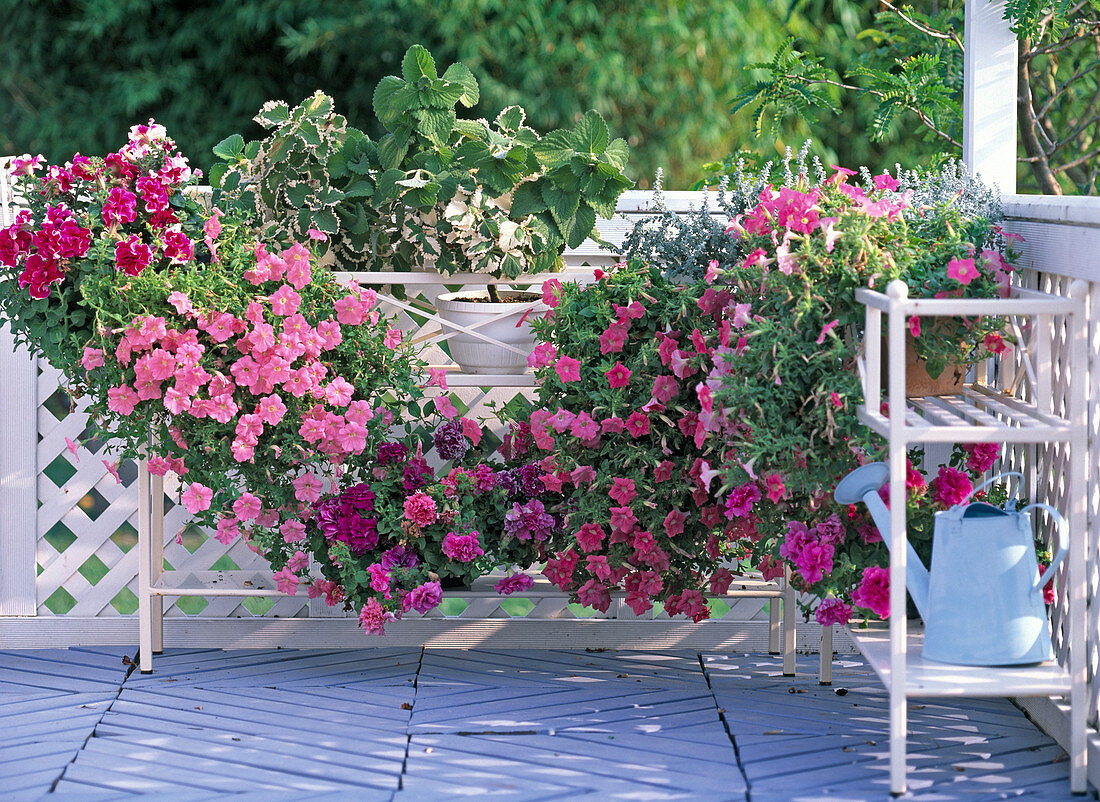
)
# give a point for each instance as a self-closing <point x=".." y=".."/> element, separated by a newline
<point x="982" y="603"/>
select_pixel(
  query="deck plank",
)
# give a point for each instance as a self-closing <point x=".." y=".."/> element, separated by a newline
<point x="403" y="725"/>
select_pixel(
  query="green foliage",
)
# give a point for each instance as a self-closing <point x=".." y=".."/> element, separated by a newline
<point x="795" y="86"/>
<point x="660" y="71"/>
<point x="684" y="246"/>
<point x="435" y="190"/>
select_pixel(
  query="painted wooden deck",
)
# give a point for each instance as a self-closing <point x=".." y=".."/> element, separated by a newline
<point x="405" y="725"/>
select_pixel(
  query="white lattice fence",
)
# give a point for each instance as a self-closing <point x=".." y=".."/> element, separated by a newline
<point x="1050" y="472"/>
<point x="87" y="526"/>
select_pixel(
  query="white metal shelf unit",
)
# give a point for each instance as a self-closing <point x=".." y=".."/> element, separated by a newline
<point x="979" y="413"/>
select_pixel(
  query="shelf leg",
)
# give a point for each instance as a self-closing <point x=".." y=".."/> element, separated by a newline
<point x="789" y="631"/>
<point x="897" y="536"/>
<point x="1078" y="329"/>
<point x="156" y="561"/>
<point x="145" y="607"/>
<point x="825" y="666"/>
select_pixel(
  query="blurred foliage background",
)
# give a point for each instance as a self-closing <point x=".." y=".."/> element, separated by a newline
<point x="75" y="74"/>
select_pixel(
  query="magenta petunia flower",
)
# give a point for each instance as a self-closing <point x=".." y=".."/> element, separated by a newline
<point x="873" y="592"/>
<point x="962" y="270"/>
<point x="569" y="369"/>
<point x="622" y="490"/>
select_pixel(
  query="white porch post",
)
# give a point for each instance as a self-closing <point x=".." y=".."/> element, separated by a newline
<point x="989" y="94"/>
<point x="18" y="477"/>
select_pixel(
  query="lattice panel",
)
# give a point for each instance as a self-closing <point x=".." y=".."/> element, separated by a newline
<point x="1047" y="467"/>
<point x="87" y="527"/>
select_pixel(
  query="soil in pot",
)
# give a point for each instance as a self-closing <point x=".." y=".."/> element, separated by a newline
<point x="515" y="297"/>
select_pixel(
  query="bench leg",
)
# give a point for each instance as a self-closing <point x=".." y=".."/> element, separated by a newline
<point x="788" y="625"/>
<point x="825" y="668"/>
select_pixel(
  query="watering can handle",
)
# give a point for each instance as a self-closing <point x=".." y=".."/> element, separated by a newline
<point x="998" y="477"/>
<point x="1063" y="543"/>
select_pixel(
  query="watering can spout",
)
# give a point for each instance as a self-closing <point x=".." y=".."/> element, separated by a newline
<point x="863" y="484"/>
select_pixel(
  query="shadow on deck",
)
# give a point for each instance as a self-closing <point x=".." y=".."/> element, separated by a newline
<point x="412" y="724"/>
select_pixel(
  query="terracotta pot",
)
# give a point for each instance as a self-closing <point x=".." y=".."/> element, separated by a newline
<point x="918" y="383"/>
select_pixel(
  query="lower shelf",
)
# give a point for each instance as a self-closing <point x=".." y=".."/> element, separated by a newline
<point x="261" y="583"/>
<point x="927" y="678"/>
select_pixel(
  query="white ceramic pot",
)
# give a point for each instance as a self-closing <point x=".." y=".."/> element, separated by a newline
<point x="476" y="355"/>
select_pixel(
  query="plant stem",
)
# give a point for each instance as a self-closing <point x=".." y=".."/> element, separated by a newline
<point x="494" y="296"/>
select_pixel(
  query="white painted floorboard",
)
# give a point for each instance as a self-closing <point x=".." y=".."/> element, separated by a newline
<point x="403" y="725"/>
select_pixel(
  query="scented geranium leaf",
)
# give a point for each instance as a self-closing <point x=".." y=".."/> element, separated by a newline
<point x="217" y="172"/>
<point x="511" y="119"/>
<point x="527" y="199"/>
<point x="461" y="75"/>
<point x="309" y="133"/>
<point x="417" y="63"/>
<point x="555" y="148"/>
<point x="326" y="221"/>
<point x="392" y="149"/>
<point x="444" y="95"/>
<point x="590" y="134"/>
<point x="318" y="106"/>
<point x="231" y="148"/>
<point x="562" y="205"/>
<point x="273" y="113"/>
<point x="577" y="228"/>
<point x="436" y="124"/>
<point x="617" y="153"/>
<point x="386" y="106"/>
<point x="296" y="192"/>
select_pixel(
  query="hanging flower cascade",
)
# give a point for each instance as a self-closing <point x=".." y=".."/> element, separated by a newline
<point x="791" y="387"/>
<point x="630" y="431"/>
<point x="238" y="365"/>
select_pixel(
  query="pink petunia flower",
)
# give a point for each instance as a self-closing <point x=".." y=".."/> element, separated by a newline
<point x="873" y="592"/>
<point x="551" y="292"/>
<point x="776" y="488"/>
<point x="622" y="490"/>
<point x="542" y="356"/>
<point x="92" y="358"/>
<point x="420" y="509"/>
<point x="307" y="488"/>
<point x="197" y="497"/>
<point x="247" y="507"/>
<point x="438" y="377"/>
<point x="618" y="376"/>
<point x="285" y="301"/>
<point x="514" y="583"/>
<point x="285" y="581"/>
<point x="462" y="548"/>
<point x="122" y="399"/>
<point x="832" y="611"/>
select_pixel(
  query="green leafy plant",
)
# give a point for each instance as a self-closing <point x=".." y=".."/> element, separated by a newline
<point x="435" y="190"/>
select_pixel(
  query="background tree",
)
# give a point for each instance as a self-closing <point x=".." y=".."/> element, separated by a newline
<point x="662" y="72"/>
<point x="910" y="64"/>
